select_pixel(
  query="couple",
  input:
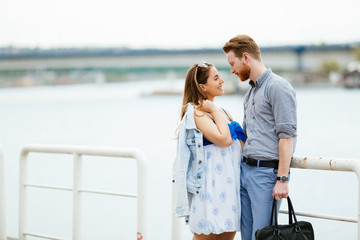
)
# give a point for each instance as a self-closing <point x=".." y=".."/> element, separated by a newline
<point x="213" y="149"/>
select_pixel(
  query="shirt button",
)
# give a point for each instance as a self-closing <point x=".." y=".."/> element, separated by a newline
<point x="199" y="177"/>
<point x="200" y="161"/>
<point x="197" y="192"/>
<point x="199" y="145"/>
<point x="253" y="117"/>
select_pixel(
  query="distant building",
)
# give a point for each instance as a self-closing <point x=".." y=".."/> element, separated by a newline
<point x="351" y="78"/>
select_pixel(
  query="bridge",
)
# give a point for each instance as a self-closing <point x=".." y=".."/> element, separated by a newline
<point x="21" y="67"/>
<point x="288" y="58"/>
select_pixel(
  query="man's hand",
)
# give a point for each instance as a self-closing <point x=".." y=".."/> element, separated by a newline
<point x="281" y="190"/>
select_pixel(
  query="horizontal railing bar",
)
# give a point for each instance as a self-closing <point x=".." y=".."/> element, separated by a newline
<point x="108" y="193"/>
<point x="82" y="150"/>
<point x="48" y="187"/>
<point x="83" y="190"/>
<point x="43" y="236"/>
<point x="332" y="164"/>
<point x="322" y="216"/>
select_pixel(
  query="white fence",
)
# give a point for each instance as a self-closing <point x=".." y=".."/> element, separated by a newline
<point x="328" y="164"/>
<point x="78" y="152"/>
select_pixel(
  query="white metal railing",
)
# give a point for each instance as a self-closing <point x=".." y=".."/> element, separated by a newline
<point x="78" y="152"/>
<point x="2" y="196"/>
<point x="327" y="164"/>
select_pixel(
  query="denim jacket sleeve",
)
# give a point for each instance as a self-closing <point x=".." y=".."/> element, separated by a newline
<point x="180" y="171"/>
<point x="182" y="163"/>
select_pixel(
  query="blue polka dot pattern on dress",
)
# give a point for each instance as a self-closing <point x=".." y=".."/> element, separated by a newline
<point x="223" y="153"/>
<point x="228" y="224"/>
<point x="215" y="211"/>
<point x="213" y="183"/>
<point x="211" y="226"/>
<point x="218" y="168"/>
<point x="233" y="208"/>
<point x="202" y="196"/>
<point x="222" y="196"/>
<point x="202" y="224"/>
<point x="208" y="155"/>
<point x="208" y="197"/>
<point x="229" y="180"/>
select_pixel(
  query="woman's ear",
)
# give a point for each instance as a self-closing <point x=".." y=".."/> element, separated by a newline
<point x="202" y="86"/>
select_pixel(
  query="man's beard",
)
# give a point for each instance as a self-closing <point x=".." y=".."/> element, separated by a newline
<point x="244" y="74"/>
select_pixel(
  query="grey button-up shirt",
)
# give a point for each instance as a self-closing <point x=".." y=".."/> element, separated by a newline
<point x="269" y="114"/>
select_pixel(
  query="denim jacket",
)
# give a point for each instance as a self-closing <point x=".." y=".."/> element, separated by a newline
<point x="189" y="167"/>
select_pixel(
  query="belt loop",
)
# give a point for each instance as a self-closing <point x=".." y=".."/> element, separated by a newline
<point x="258" y="163"/>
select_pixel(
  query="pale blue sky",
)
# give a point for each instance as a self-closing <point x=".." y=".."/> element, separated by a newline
<point x="175" y="24"/>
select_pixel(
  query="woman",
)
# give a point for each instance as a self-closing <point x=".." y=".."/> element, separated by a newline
<point x="207" y="166"/>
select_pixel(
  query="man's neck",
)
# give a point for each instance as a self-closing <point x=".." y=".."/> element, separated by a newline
<point x="257" y="70"/>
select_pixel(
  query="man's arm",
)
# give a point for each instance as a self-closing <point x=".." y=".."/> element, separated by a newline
<point x="281" y="190"/>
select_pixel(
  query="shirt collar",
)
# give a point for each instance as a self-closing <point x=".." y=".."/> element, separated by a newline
<point x="261" y="79"/>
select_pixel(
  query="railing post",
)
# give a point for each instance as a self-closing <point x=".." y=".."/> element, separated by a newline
<point x="141" y="196"/>
<point x="357" y="171"/>
<point x="77" y="197"/>
<point x="22" y="193"/>
<point x="2" y="197"/>
<point x="175" y="221"/>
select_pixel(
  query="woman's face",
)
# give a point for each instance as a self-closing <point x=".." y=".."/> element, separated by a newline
<point x="214" y="84"/>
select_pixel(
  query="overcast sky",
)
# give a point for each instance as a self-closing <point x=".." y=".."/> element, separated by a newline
<point x="175" y="24"/>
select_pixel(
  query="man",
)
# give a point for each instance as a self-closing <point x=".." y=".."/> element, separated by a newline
<point x="270" y="126"/>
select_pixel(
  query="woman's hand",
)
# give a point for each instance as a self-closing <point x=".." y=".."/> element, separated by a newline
<point x="208" y="106"/>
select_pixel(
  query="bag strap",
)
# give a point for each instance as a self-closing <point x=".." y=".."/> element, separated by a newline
<point x="274" y="210"/>
<point x="291" y="213"/>
<point x="291" y="208"/>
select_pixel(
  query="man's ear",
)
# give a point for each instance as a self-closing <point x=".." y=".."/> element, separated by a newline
<point x="246" y="56"/>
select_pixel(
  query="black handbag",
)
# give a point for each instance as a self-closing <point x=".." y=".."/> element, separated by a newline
<point x="301" y="230"/>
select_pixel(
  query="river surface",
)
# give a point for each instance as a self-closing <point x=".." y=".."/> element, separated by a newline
<point x="126" y="115"/>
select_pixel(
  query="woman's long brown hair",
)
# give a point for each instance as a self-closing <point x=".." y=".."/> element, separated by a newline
<point x="193" y="94"/>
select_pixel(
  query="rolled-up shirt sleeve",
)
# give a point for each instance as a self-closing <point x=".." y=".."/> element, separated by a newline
<point x="282" y="98"/>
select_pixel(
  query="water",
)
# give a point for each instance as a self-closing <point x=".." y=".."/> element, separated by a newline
<point x="124" y="115"/>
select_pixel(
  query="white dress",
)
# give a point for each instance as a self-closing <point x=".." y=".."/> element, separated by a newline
<point x="217" y="207"/>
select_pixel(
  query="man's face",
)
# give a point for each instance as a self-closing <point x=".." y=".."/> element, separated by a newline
<point x="238" y="66"/>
